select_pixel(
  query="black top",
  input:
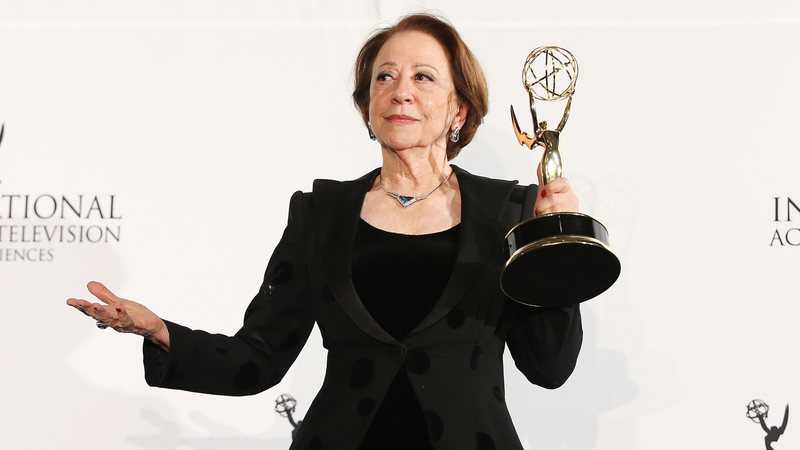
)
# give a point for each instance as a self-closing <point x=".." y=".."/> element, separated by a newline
<point x="454" y="357"/>
<point x="399" y="278"/>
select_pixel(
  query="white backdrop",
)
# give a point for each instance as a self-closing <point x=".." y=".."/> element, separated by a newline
<point x="197" y="115"/>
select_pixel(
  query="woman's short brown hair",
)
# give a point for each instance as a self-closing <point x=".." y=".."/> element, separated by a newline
<point x="468" y="78"/>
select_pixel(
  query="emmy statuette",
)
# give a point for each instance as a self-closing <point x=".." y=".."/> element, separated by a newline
<point x="284" y="406"/>
<point x="556" y="259"/>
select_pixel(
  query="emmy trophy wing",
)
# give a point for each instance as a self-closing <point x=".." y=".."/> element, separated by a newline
<point x="522" y="137"/>
<point x="785" y="420"/>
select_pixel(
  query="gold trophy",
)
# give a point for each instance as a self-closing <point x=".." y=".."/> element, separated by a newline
<point x="556" y="259"/>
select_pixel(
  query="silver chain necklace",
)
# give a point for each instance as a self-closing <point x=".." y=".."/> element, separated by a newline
<point x="408" y="200"/>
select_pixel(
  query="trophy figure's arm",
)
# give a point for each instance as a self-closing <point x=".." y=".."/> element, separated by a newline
<point x="565" y="116"/>
<point x="533" y="113"/>
<point x="763" y="424"/>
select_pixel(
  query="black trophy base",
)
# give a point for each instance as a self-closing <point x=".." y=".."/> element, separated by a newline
<point x="558" y="259"/>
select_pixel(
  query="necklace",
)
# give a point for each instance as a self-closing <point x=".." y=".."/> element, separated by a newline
<point x="408" y="200"/>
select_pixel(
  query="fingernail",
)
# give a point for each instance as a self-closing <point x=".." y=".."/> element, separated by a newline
<point x="543" y="193"/>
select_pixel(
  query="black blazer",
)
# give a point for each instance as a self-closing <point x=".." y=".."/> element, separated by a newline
<point x="453" y="357"/>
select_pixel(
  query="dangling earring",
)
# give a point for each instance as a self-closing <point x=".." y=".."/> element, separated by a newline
<point x="455" y="134"/>
<point x="369" y="130"/>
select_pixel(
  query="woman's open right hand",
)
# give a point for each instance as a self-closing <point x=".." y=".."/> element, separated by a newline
<point x="125" y="316"/>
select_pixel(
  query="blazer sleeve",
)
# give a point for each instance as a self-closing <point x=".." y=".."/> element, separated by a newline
<point x="544" y="342"/>
<point x="277" y="324"/>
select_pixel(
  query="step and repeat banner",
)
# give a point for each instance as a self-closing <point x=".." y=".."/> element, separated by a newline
<point x="154" y="147"/>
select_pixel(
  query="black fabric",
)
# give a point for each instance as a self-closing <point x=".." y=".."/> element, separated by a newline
<point x="453" y="358"/>
<point x="398" y="278"/>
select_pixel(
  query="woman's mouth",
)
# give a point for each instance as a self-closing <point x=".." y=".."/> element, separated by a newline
<point x="399" y="119"/>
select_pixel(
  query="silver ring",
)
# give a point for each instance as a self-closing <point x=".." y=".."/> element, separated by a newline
<point x="102" y="325"/>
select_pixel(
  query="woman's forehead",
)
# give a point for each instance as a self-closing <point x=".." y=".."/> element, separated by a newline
<point x="412" y="48"/>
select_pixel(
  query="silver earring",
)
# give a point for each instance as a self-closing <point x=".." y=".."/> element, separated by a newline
<point x="455" y="134"/>
<point x="369" y="130"/>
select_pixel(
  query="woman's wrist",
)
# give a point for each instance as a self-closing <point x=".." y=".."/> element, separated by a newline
<point x="160" y="337"/>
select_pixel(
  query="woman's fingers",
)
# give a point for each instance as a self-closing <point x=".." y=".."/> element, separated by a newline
<point x="103" y="293"/>
<point x="80" y="305"/>
<point x="105" y="313"/>
<point x="125" y="316"/>
<point x="97" y="311"/>
<point x="556" y="196"/>
<point x="558" y="186"/>
<point x="84" y="306"/>
<point x="78" y="302"/>
<point x="118" y="317"/>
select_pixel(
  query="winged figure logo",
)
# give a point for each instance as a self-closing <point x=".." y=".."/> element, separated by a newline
<point x="773" y="433"/>
<point x="757" y="411"/>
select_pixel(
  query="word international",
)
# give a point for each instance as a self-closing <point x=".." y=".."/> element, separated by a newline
<point x="784" y="210"/>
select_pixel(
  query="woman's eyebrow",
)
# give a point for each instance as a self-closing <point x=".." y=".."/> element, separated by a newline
<point x="416" y="66"/>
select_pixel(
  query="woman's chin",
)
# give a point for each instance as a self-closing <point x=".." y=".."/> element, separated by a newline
<point x="401" y="143"/>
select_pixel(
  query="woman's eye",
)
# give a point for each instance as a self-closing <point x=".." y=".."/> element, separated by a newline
<point x="382" y="76"/>
<point x="423" y="77"/>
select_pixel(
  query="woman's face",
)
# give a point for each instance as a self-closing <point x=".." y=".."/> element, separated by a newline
<point x="412" y="97"/>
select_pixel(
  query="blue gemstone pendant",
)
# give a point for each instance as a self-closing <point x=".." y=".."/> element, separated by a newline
<point x="406" y="200"/>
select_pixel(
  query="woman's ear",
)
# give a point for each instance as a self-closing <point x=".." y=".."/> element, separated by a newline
<point x="461" y="114"/>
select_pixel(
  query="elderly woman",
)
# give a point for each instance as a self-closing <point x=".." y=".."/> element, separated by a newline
<point x="399" y="269"/>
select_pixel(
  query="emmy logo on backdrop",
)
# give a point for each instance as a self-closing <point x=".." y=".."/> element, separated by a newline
<point x="757" y="411"/>
<point x="284" y="405"/>
<point x="556" y="259"/>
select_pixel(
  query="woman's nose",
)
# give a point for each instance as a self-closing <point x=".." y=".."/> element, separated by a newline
<point x="403" y="91"/>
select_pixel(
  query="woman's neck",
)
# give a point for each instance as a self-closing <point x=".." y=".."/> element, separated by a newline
<point x="412" y="171"/>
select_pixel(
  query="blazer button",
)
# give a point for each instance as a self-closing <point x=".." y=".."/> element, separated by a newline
<point x="402" y="351"/>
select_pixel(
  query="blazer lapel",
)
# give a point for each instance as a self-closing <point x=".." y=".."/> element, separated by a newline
<point x="483" y="201"/>
<point x="338" y="208"/>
